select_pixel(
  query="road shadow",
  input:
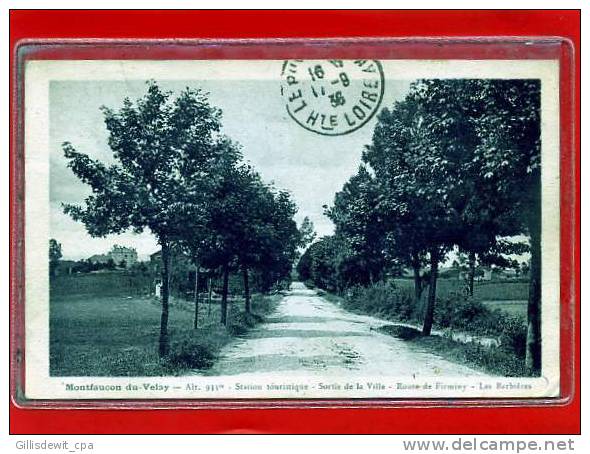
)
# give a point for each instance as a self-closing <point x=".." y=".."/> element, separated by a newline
<point x="279" y="363"/>
<point x="301" y="333"/>
<point x="304" y="319"/>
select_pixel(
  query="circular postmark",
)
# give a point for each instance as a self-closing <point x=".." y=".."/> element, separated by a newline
<point x="332" y="97"/>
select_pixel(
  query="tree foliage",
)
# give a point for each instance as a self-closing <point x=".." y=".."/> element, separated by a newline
<point x="54" y="251"/>
<point x="360" y="227"/>
<point x="453" y="165"/>
<point x="55" y="255"/>
<point x="175" y="174"/>
<point x="163" y="150"/>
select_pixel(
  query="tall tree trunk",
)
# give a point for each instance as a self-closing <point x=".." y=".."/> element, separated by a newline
<point x="164" y="343"/>
<point x="417" y="280"/>
<point x="246" y="289"/>
<point x="224" y="296"/>
<point x="429" y="314"/>
<point x="471" y="276"/>
<point x="209" y="291"/>
<point x="196" y="324"/>
<point x="533" y="339"/>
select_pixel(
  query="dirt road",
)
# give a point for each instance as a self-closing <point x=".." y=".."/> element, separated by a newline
<point x="308" y="335"/>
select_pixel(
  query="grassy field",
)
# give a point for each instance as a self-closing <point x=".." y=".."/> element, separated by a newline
<point x="508" y="296"/>
<point x="516" y="308"/>
<point x="501" y="291"/>
<point x="483" y="291"/>
<point x="118" y="335"/>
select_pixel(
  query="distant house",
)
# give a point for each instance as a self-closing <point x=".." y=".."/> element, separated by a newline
<point x="123" y="255"/>
<point x="487" y="275"/>
<point x="507" y="273"/>
<point x="450" y="273"/>
<point x="156" y="261"/>
<point x="99" y="258"/>
<point x="118" y="254"/>
<point x="156" y="257"/>
<point x="495" y="273"/>
<point x="481" y="274"/>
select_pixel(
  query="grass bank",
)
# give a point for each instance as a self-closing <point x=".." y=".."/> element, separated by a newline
<point x="454" y="313"/>
<point x="492" y="360"/>
<point x="118" y="335"/>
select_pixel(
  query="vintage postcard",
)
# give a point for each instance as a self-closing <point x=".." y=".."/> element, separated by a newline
<point x="291" y="229"/>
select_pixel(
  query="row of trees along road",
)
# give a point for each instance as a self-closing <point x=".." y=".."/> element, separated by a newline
<point x="175" y="174"/>
<point x="455" y="164"/>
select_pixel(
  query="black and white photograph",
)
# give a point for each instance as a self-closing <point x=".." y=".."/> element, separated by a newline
<point x="222" y="229"/>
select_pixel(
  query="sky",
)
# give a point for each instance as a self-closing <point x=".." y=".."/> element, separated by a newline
<point x="310" y="166"/>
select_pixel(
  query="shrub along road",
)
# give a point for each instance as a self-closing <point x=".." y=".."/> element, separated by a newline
<point x="309" y="335"/>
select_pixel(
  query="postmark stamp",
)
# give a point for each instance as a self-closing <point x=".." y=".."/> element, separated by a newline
<point x="332" y="97"/>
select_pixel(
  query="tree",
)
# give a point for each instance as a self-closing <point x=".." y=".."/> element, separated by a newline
<point x="271" y="238"/>
<point x="254" y="230"/>
<point x="226" y="219"/>
<point x="524" y="269"/>
<point x="458" y="161"/>
<point x="198" y="235"/>
<point x="389" y="156"/>
<point x="288" y="238"/>
<point x="509" y="157"/>
<point x="359" y="222"/>
<point x="307" y="235"/>
<point x="454" y="111"/>
<point x="251" y="227"/>
<point x="416" y="185"/>
<point x="322" y="263"/>
<point x="55" y="255"/>
<point x="304" y="266"/>
<point x="162" y="150"/>
<point x="495" y="128"/>
<point x="306" y="232"/>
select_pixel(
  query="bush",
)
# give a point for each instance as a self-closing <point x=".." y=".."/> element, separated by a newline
<point x="454" y="311"/>
<point x="264" y="304"/>
<point x="457" y="311"/>
<point x="191" y="352"/>
<point x="382" y="298"/>
<point x="309" y="284"/>
<point x="466" y="314"/>
<point x="496" y="360"/>
<point x="400" y="331"/>
<point x="242" y="322"/>
<point x="513" y="336"/>
<point x="493" y="360"/>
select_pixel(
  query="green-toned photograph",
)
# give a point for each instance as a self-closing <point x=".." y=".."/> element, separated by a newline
<point x="297" y="229"/>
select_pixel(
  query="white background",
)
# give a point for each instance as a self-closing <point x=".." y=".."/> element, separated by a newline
<point x="194" y="444"/>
